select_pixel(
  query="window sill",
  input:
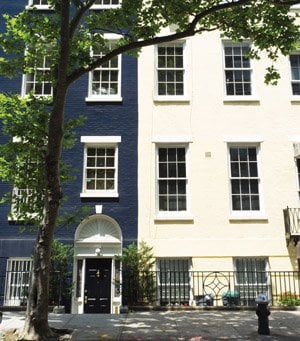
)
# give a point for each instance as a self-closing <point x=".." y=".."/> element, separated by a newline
<point x="295" y="99"/>
<point x="96" y="194"/>
<point x="171" y="99"/>
<point x="39" y="7"/>
<point x="243" y="99"/>
<point x="97" y="7"/>
<point x="251" y="216"/>
<point x="176" y="216"/>
<point x="92" y="99"/>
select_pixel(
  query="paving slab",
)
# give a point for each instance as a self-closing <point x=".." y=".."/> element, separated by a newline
<point x="169" y="325"/>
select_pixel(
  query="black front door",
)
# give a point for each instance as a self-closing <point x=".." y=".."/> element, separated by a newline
<point x="97" y="286"/>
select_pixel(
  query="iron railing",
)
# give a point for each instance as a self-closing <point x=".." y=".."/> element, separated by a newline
<point x="216" y="288"/>
<point x="292" y="224"/>
<point x="172" y="288"/>
<point x="14" y="288"/>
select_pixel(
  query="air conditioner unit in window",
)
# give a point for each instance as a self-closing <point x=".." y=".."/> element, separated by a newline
<point x="297" y="150"/>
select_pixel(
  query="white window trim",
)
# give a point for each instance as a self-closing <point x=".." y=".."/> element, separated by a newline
<point x="38" y="7"/>
<point x="239" y="98"/>
<point x="294" y="98"/>
<point x="23" y="90"/>
<point x="97" y="6"/>
<point x="99" y="141"/>
<point x="172" y="98"/>
<point x="173" y="215"/>
<point x="107" y="98"/>
<point x="297" y="177"/>
<point x="15" y="216"/>
<point x="247" y="215"/>
<point x="15" y="300"/>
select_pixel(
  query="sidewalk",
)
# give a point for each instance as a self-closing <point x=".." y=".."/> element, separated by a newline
<point x="169" y="325"/>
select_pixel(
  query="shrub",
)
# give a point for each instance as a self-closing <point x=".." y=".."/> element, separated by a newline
<point x="289" y="299"/>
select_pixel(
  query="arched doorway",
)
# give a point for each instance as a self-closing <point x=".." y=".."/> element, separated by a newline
<point x="96" y="276"/>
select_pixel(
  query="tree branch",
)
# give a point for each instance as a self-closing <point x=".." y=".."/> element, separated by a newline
<point x="189" y="31"/>
<point x="78" y="16"/>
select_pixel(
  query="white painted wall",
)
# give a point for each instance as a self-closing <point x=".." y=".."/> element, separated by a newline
<point x="211" y="237"/>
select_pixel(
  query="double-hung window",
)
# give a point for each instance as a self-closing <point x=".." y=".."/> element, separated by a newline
<point x="100" y="173"/>
<point x="170" y="71"/>
<point x="38" y="81"/>
<point x="24" y="203"/>
<point x="17" y="281"/>
<point x="172" y="179"/>
<point x="27" y="194"/>
<point x="244" y="178"/>
<point x="105" y="80"/>
<point x="238" y="71"/>
<point x="295" y="73"/>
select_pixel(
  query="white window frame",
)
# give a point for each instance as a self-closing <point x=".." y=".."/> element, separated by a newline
<point x="184" y="96"/>
<point x="14" y="285"/>
<point x="106" y="6"/>
<point x="247" y="214"/>
<point x="253" y="95"/>
<point x="15" y="212"/>
<point x="38" y="6"/>
<point x="17" y="192"/>
<point x="35" y="81"/>
<point x="295" y="81"/>
<point x="297" y="164"/>
<point x="106" y="97"/>
<point x="100" y="142"/>
<point x="173" y="215"/>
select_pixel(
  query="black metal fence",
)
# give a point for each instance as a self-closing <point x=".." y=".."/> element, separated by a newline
<point x="216" y="288"/>
<point x="14" y="288"/>
<point x="170" y="288"/>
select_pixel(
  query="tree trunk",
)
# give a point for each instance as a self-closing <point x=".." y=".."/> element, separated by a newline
<point x="36" y="324"/>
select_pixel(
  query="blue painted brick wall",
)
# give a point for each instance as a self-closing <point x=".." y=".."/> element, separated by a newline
<point x="101" y="119"/>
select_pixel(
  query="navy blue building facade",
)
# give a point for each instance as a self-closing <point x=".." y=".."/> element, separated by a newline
<point x="108" y="137"/>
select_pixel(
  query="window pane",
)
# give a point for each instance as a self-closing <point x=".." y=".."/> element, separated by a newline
<point x="296" y="89"/>
<point x="181" y="203"/>
<point x="172" y="187"/>
<point x="163" y="204"/>
<point x="244" y="169"/>
<point x="236" y="203"/>
<point x="163" y="173"/>
<point x="162" y="154"/>
<point x="246" y="202"/>
<point x="235" y="186"/>
<point x="253" y="169"/>
<point x="181" y="187"/>
<point x="235" y="169"/>
<point x="163" y="186"/>
<point x="245" y="186"/>
<point x="255" y="202"/>
<point x="181" y="170"/>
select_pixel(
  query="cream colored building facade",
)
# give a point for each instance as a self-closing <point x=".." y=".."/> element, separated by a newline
<point x="217" y="155"/>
